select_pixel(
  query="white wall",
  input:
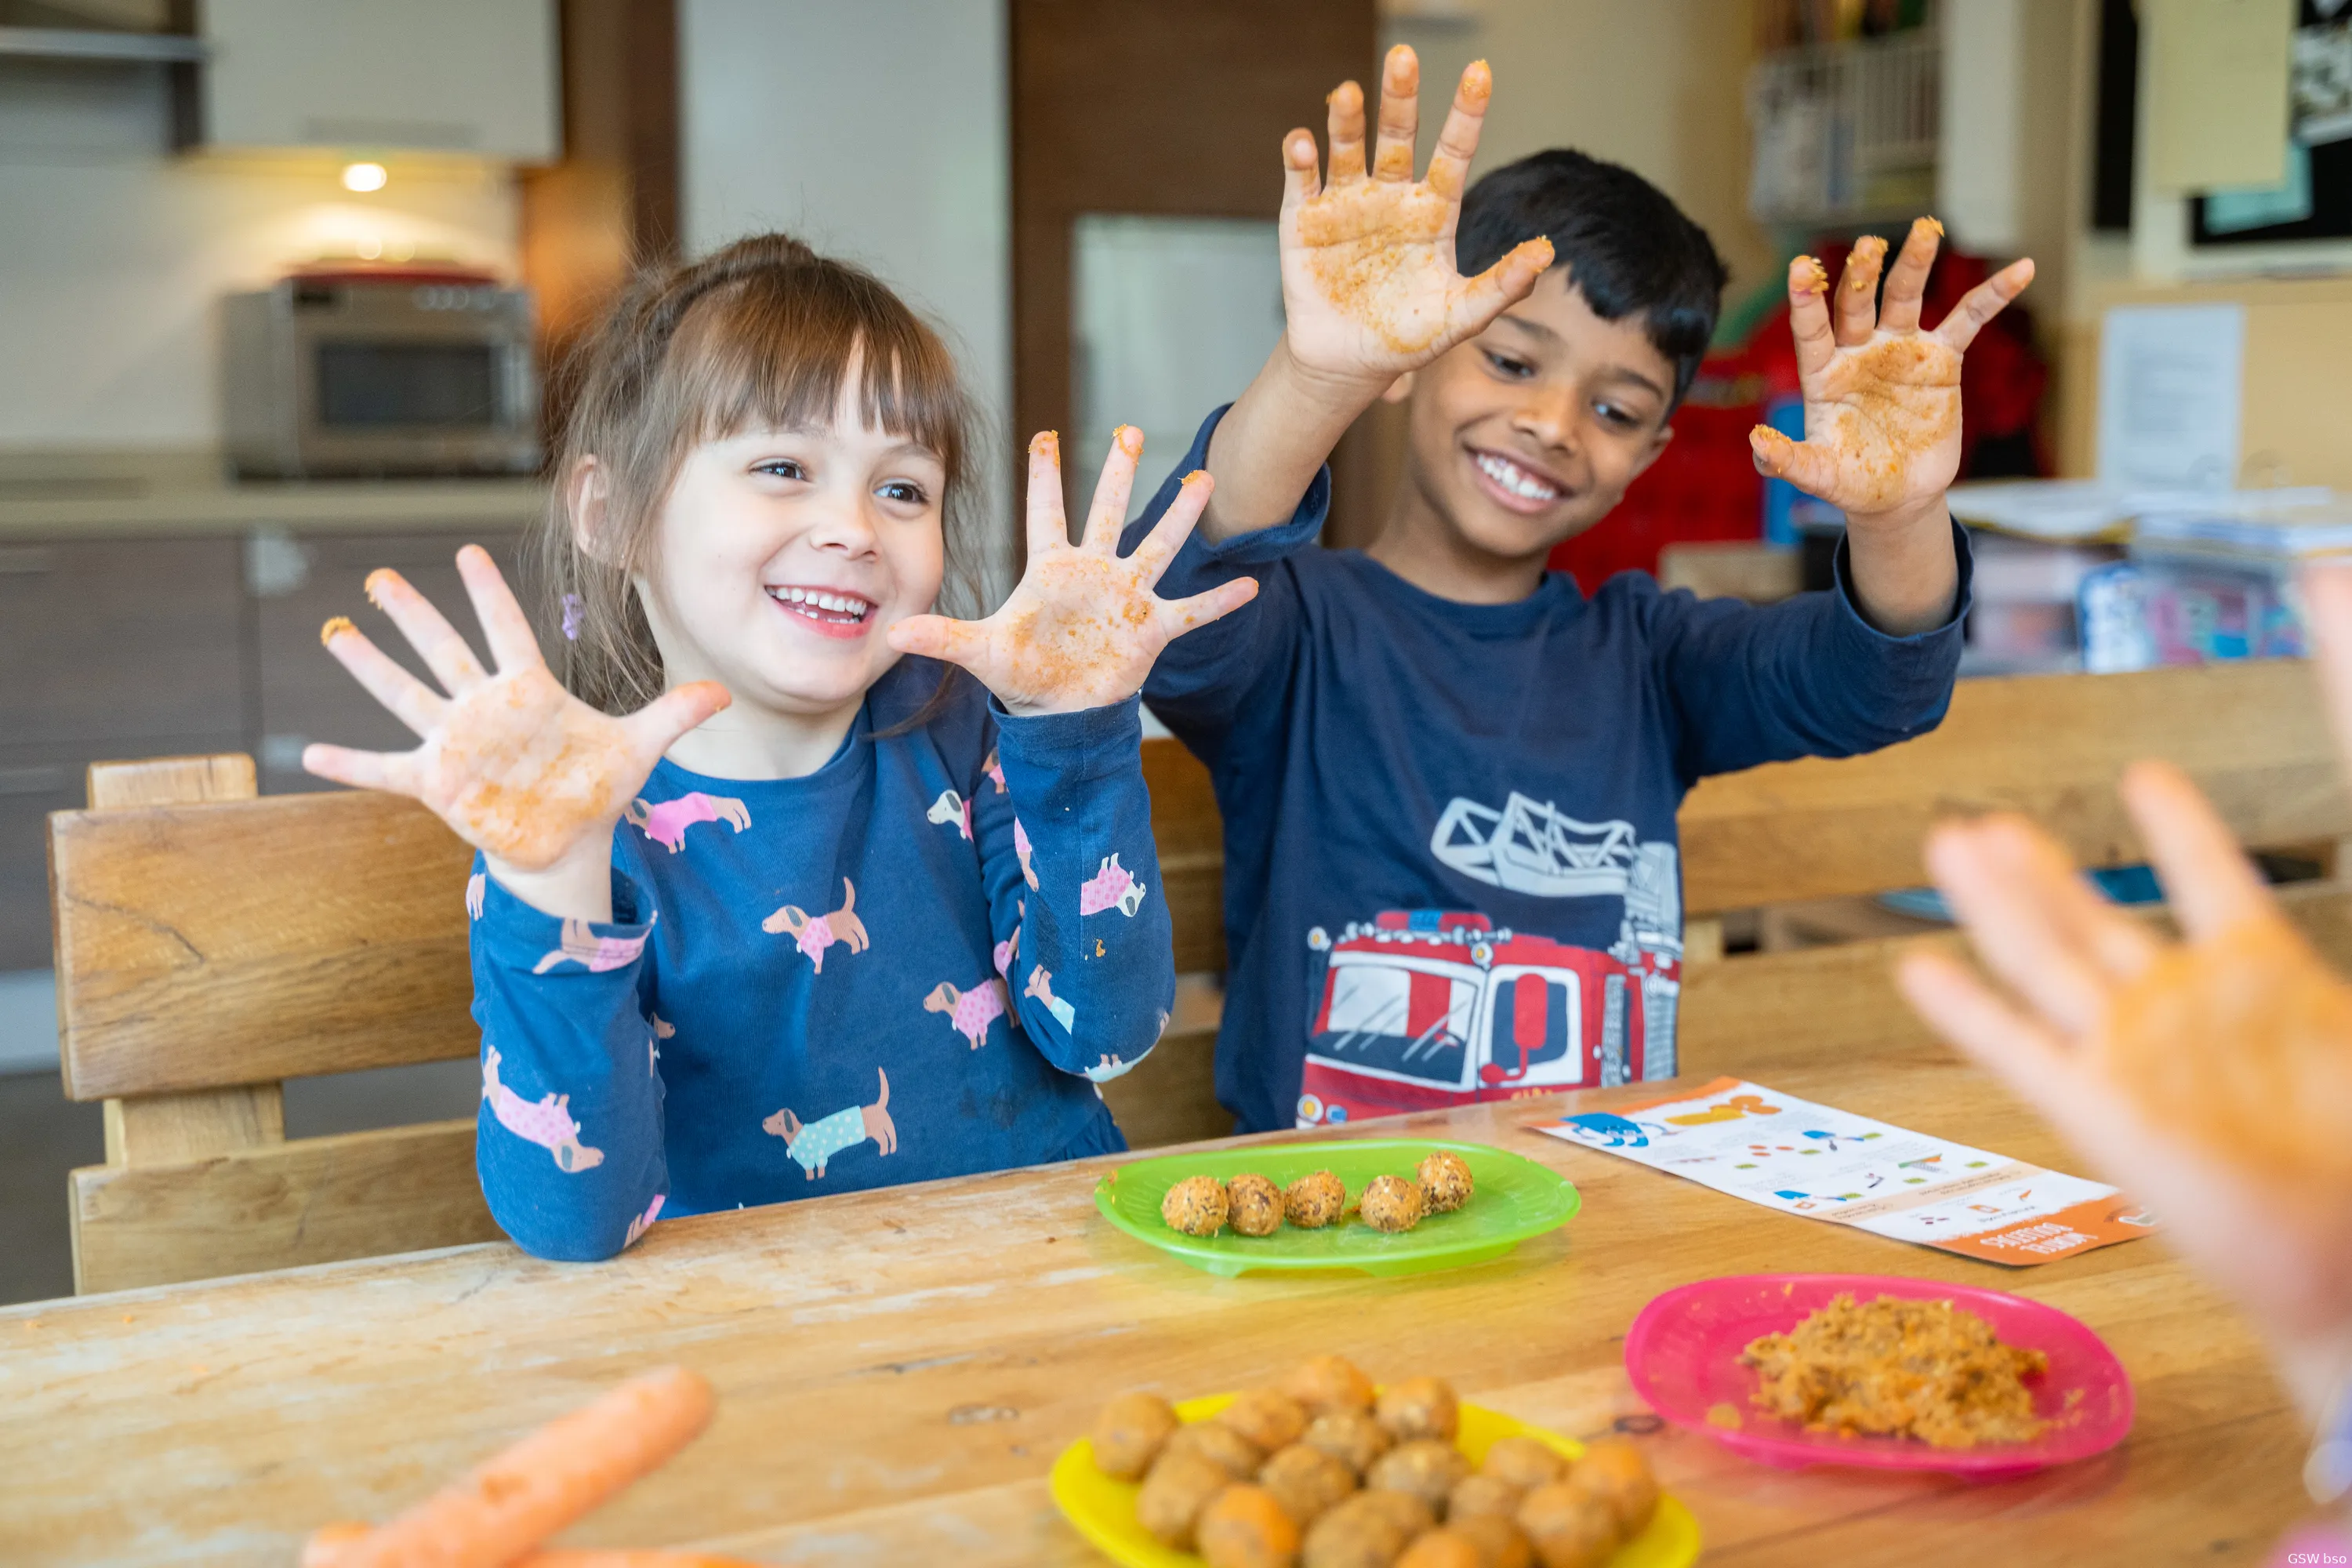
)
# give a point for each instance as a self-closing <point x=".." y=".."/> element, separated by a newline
<point x="877" y="131"/>
<point x="1655" y="85"/>
<point x="113" y="251"/>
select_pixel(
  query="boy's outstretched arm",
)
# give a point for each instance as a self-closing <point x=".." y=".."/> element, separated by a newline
<point x="1369" y="290"/>
<point x="1882" y="420"/>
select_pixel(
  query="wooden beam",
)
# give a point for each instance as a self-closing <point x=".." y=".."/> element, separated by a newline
<point x="211" y="946"/>
<point x="315" y="1199"/>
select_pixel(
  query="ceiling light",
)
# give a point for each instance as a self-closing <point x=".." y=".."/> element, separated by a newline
<point x="364" y="176"/>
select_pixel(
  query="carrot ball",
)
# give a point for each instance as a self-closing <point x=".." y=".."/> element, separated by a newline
<point x="1440" y="1549"/>
<point x="1253" y="1205"/>
<point x="1179" y="1487"/>
<point x="1445" y="1182"/>
<point x="1501" y="1543"/>
<point x="1420" y="1407"/>
<point x="1244" y="1527"/>
<point x="1615" y="1471"/>
<point x="1329" y="1383"/>
<point x="1307" y="1482"/>
<point x="1392" y="1204"/>
<point x="1482" y="1494"/>
<point x="1368" y="1530"/>
<point x="1195" y="1206"/>
<point x="1315" y="1201"/>
<point x="1351" y="1437"/>
<point x="1129" y="1433"/>
<point x="1269" y="1419"/>
<point x="1220" y="1445"/>
<point x="1523" y="1462"/>
<point x="1427" y="1468"/>
<point x="1570" y="1527"/>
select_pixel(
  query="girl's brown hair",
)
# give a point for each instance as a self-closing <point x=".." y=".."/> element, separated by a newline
<point x="761" y="334"/>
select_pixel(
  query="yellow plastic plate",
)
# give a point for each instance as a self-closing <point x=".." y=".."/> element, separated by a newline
<point x="1103" y="1510"/>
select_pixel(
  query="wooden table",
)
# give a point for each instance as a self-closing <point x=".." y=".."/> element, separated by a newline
<point x="898" y="1369"/>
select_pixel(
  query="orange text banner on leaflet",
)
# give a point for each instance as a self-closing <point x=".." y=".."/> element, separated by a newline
<point x="1815" y="1161"/>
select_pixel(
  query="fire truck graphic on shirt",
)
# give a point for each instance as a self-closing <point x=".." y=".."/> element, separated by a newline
<point x="1422" y="1008"/>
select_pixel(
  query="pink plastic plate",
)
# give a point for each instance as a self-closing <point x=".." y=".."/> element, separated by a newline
<point x="1682" y="1355"/>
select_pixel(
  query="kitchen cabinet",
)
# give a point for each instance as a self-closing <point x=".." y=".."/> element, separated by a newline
<point x="140" y="646"/>
<point x="448" y="76"/>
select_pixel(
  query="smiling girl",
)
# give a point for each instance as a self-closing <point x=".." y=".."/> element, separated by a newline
<point x="763" y="832"/>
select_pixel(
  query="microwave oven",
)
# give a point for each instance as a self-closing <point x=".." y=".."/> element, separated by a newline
<point x="358" y="373"/>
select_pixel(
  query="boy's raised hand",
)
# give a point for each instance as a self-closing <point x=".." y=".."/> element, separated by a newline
<point x="1083" y="627"/>
<point x="1368" y="283"/>
<point x="1882" y="397"/>
<point x="515" y="765"/>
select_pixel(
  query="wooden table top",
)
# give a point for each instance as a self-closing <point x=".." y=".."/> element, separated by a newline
<point x="897" y="1370"/>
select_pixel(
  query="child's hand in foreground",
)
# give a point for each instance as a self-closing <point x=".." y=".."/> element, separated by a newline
<point x="1369" y="285"/>
<point x="1882" y="397"/>
<point x="1083" y="627"/>
<point x="2212" y="1078"/>
<point x="515" y="765"/>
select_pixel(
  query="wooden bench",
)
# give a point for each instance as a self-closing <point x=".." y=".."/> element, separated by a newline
<point x="2051" y="747"/>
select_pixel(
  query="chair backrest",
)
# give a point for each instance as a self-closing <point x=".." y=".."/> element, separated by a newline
<point x="2050" y="747"/>
<point x="211" y="944"/>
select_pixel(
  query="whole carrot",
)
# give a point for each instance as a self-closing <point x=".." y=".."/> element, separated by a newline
<point x="329" y="1545"/>
<point x="506" y="1505"/>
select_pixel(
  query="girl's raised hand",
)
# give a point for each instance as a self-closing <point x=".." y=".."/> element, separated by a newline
<point x="1369" y="284"/>
<point x="1882" y="397"/>
<point x="517" y="766"/>
<point x="1083" y="627"/>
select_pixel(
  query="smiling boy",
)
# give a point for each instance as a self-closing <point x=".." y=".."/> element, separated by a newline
<point x="1448" y="778"/>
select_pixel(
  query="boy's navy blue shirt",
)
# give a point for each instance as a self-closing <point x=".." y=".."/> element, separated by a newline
<point x="1451" y="867"/>
<point x="874" y="974"/>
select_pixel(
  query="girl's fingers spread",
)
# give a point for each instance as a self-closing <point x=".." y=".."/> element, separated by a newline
<point x="410" y="700"/>
<point x="1457" y="139"/>
<point x="1344" y="128"/>
<point x="1108" y="514"/>
<point x="1983" y="302"/>
<point x="513" y="643"/>
<point x="2208" y="880"/>
<point x="1906" y="280"/>
<point x="2003" y="893"/>
<point x="1808" y="316"/>
<point x="393" y="771"/>
<point x="937" y="636"/>
<point x="428" y="630"/>
<point x="1049" y="527"/>
<point x="1156" y="548"/>
<point x="1298" y="181"/>
<point x="1856" y="315"/>
<point x="1181" y="616"/>
<point x="1399" y="114"/>
<point x="2327" y="596"/>
<point x="656" y="727"/>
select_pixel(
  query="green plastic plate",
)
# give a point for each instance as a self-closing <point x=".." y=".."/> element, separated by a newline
<point x="1515" y="1198"/>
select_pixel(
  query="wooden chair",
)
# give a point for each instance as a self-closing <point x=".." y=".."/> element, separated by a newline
<point x="210" y="945"/>
<point x="2051" y="747"/>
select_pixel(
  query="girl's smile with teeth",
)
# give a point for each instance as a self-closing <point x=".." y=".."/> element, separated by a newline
<point x="832" y="614"/>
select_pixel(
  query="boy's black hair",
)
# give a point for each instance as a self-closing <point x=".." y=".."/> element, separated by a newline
<point x="1627" y="248"/>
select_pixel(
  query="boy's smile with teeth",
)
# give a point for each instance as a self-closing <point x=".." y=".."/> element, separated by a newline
<point x="1514" y="479"/>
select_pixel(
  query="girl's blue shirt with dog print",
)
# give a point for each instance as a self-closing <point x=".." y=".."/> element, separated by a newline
<point x="1451" y="859"/>
<point x="917" y="962"/>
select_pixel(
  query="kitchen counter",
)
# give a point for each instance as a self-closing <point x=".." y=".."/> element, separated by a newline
<point x="45" y="495"/>
<point x="896" y="1369"/>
